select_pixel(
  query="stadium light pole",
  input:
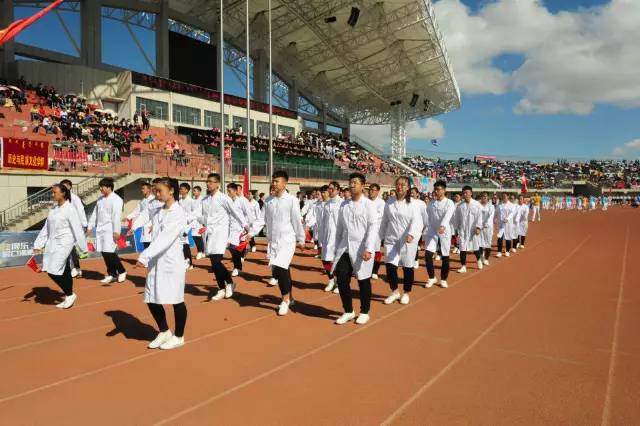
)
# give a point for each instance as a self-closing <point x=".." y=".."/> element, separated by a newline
<point x="270" y="100"/>
<point x="248" y="100"/>
<point x="221" y="47"/>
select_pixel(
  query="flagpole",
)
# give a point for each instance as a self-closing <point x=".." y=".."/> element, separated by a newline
<point x="270" y="101"/>
<point x="248" y="98"/>
<point x="221" y="47"/>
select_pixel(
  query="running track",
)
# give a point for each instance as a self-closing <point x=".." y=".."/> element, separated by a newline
<point x="548" y="336"/>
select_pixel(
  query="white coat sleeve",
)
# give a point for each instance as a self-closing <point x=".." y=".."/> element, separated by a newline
<point x="296" y="222"/>
<point x="373" y="227"/>
<point x="141" y="219"/>
<point x="415" y="227"/>
<point x="76" y="229"/>
<point x="447" y="217"/>
<point x="116" y="215"/>
<point x="77" y="203"/>
<point x="43" y="236"/>
<point x="93" y="218"/>
<point x="172" y="231"/>
<point x="384" y="222"/>
<point x="228" y="206"/>
<point x="340" y="233"/>
<point x="134" y="214"/>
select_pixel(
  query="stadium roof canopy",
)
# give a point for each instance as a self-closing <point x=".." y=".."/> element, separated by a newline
<point x="395" y="50"/>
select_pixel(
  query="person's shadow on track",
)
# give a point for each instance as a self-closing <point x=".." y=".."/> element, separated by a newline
<point x="44" y="296"/>
<point x="271" y="302"/>
<point x="130" y="327"/>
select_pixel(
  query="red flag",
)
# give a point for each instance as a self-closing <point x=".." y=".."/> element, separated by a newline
<point x="525" y="184"/>
<point x="327" y="266"/>
<point x="91" y="247"/>
<point x="245" y="183"/>
<point x="33" y="265"/>
<point x="122" y="242"/>
<point x="307" y="236"/>
<point x="129" y="223"/>
<point x="16" y="27"/>
<point x="202" y="230"/>
<point x="378" y="257"/>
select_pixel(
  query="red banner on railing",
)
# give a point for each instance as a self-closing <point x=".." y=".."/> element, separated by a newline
<point x="25" y="154"/>
<point x="70" y="156"/>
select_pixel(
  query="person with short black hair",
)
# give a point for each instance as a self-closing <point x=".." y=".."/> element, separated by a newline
<point x="356" y="236"/>
<point x="77" y="204"/>
<point x="523" y="220"/>
<point x="143" y="205"/>
<point x="330" y="215"/>
<point x="105" y="219"/>
<point x="197" y="197"/>
<point x="238" y="231"/>
<point x="505" y="211"/>
<point x="486" y="236"/>
<point x="191" y="212"/>
<point x="258" y="224"/>
<point x="438" y="232"/>
<point x="467" y="221"/>
<point x="283" y="227"/>
<point x="379" y="203"/>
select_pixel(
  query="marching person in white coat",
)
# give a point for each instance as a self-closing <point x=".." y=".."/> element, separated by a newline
<point x="467" y="220"/>
<point x="400" y="229"/>
<point x="356" y="236"/>
<point x="422" y="207"/>
<point x="309" y="219"/>
<point x="237" y="231"/>
<point x="62" y="231"/>
<point x="486" y="235"/>
<point x="283" y="226"/>
<point x="258" y="214"/>
<point x="523" y="220"/>
<point x="504" y="220"/>
<point x="438" y="232"/>
<point x="328" y="230"/>
<point x="318" y="210"/>
<point x="76" y="202"/>
<point x="143" y="205"/>
<point x="192" y="212"/>
<point x="196" y="196"/>
<point x="379" y="203"/>
<point x="105" y="219"/>
<point x="515" y="223"/>
<point x="166" y="268"/>
<point x="217" y="211"/>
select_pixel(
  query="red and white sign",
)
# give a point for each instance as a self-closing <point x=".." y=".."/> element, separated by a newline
<point x="24" y="154"/>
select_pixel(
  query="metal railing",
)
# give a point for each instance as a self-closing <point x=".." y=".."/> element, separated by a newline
<point x="294" y="170"/>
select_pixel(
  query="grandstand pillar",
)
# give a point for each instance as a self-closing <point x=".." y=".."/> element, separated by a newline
<point x="293" y="95"/>
<point x="398" y="133"/>
<point x="323" y="121"/>
<point x="91" y="33"/>
<point x="162" y="40"/>
<point x="260" y="75"/>
<point x="7" y="54"/>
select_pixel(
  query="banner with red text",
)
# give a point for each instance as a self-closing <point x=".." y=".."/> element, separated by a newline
<point x="25" y="154"/>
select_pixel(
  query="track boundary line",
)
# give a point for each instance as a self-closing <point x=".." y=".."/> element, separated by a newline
<point x="606" y="409"/>
<point x="280" y="367"/>
<point x="473" y="344"/>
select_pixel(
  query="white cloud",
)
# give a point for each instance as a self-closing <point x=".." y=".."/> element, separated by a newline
<point x="628" y="148"/>
<point x="573" y="60"/>
<point x="380" y="136"/>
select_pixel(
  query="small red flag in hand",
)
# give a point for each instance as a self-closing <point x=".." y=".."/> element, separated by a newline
<point x="307" y="236"/>
<point x="91" y="247"/>
<point x="242" y="246"/>
<point x="327" y="266"/>
<point x="378" y="257"/>
<point x="33" y="264"/>
<point x="129" y="223"/>
<point x="122" y="242"/>
<point x="202" y="230"/>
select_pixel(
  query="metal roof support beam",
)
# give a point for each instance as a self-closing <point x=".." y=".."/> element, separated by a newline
<point x="8" y="52"/>
<point x="293" y="95"/>
<point x="162" y="40"/>
<point x="260" y="75"/>
<point x="91" y="33"/>
<point x="398" y="133"/>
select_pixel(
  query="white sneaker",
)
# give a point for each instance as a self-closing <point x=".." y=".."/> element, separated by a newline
<point x="330" y="285"/>
<point x="69" y="301"/>
<point x="190" y="267"/>
<point x="462" y="270"/>
<point x="283" y="309"/>
<point x="317" y="256"/>
<point x="374" y="276"/>
<point x="315" y="247"/>
<point x="172" y="343"/>
<point x="404" y="300"/>
<point x="362" y="319"/>
<point x="242" y="260"/>
<point x="507" y="254"/>
<point x="186" y="263"/>
<point x="416" y="265"/>
<point x="200" y="256"/>
<point x="74" y="273"/>
<point x="346" y="317"/>
<point x="393" y="297"/>
<point x="122" y="277"/>
<point x="273" y="282"/>
<point x="486" y="262"/>
<point x="108" y="279"/>
<point x="438" y="257"/>
<point x="79" y="273"/>
<point x="430" y="282"/>
<point x="61" y="304"/>
<point x="499" y="254"/>
<point x="228" y="290"/>
<point x="443" y="284"/>
<point x="235" y="273"/>
<point x="480" y="265"/>
<point x="253" y="249"/>
<point x="160" y="339"/>
<point x="521" y="246"/>
<point x="514" y="250"/>
<point x="218" y="296"/>
<point x="336" y="290"/>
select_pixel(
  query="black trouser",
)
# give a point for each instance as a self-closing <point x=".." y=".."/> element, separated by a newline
<point x="500" y="241"/>
<point x="186" y="251"/>
<point x="515" y="242"/>
<point x="392" y="276"/>
<point x="463" y="256"/>
<point x="64" y="281"/>
<point x="114" y="265"/>
<point x="236" y="257"/>
<point x="376" y="266"/>
<point x="343" y="273"/>
<point x="252" y="242"/>
<point x="222" y="274"/>
<point x="179" y="312"/>
<point x="522" y="238"/>
<point x="74" y="258"/>
<point x="284" y="279"/>
<point x="199" y="243"/>
<point x="487" y="252"/>
<point x="444" y="272"/>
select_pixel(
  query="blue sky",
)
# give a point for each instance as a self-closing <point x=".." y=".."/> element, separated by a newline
<point x="527" y="110"/>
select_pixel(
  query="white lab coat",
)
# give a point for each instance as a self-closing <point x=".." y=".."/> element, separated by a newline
<point x="164" y="258"/>
<point x="330" y="214"/>
<point x="523" y="217"/>
<point x="318" y="210"/>
<point x="504" y="219"/>
<point x="486" y="235"/>
<point x="357" y="231"/>
<point x="283" y="226"/>
<point x="143" y="205"/>
<point x="216" y="212"/>
<point x="308" y="213"/>
<point x="61" y="231"/>
<point x="466" y="219"/>
<point x="106" y="219"/>
<point x="258" y="214"/>
<point x="424" y="215"/>
<point x="191" y="214"/>
<point x="399" y="220"/>
<point x="79" y="207"/>
<point x="245" y="218"/>
<point x="379" y="206"/>
<point x="439" y="213"/>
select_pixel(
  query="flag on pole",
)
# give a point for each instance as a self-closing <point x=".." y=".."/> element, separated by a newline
<point x="525" y="184"/>
<point x="245" y="183"/>
<point x="33" y="264"/>
<point x="18" y="26"/>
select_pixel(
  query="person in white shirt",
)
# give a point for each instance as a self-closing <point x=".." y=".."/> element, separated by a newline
<point x="504" y="218"/>
<point x="378" y="202"/>
<point x="283" y="227"/>
<point x="143" y="205"/>
<point x="258" y="214"/>
<point x="191" y="212"/>
<point x="356" y="237"/>
<point x="415" y="195"/>
<point x="467" y="221"/>
<point x="196" y="193"/>
<point x="523" y="220"/>
<point x="438" y="232"/>
<point x="515" y="223"/>
<point x="76" y="202"/>
<point x="166" y="268"/>
<point x="60" y="234"/>
<point x="318" y="209"/>
<point x="237" y="233"/>
<point x="400" y="230"/>
<point x="328" y="232"/>
<point x="105" y="219"/>
<point x="486" y="236"/>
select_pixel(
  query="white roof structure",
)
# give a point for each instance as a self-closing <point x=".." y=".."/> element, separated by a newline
<point x="393" y="52"/>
